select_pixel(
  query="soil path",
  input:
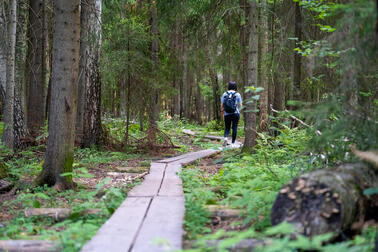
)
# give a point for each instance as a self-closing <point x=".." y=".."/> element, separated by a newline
<point x="151" y="217"/>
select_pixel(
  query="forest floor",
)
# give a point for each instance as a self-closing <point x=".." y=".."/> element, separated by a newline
<point x="103" y="179"/>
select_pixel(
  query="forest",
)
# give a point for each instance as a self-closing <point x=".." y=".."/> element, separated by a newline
<point x="112" y="125"/>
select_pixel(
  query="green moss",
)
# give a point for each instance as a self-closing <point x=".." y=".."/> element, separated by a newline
<point x="68" y="166"/>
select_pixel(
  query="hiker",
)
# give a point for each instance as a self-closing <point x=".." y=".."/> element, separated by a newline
<point x="231" y="101"/>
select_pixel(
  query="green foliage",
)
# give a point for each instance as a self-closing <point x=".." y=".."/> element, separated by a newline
<point x="247" y="182"/>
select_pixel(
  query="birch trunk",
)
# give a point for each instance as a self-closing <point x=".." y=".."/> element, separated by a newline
<point x="3" y="53"/>
<point x="62" y="117"/>
<point x="21" y="48"/>
<point x="8" y="135"/>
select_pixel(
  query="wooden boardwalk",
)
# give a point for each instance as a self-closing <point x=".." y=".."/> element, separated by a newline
<point x="151" y="217"/>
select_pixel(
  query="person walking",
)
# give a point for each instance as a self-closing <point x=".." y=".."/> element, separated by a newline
<point x="231" y="102"/>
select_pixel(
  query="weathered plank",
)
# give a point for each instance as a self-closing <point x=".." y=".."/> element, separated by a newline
<point x="118" y="233"/>
<point x="151" y="183"/>
<point x="172" y="186"/>
<point x="162" y="229"/>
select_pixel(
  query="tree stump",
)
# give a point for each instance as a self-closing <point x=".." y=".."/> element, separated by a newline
<point x="329" y="200"/>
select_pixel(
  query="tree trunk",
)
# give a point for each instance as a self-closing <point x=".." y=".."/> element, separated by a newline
<point x="36" y="62"/>
<point x="88" y="124"/>
<point x="154" y="95"/>
<point x="62" y="117"/>
<point x="250" y="113"/>
<point x="263" y="101"/>
<point x="184" y="88"/>
<point x="48" y="28"/>
<point x="199" y="98"/>
<point x="20" y="127"/>
<point x="8" y="135"/>
<point x="244" y="35"/>
<point x="271" y="49"/>
<point x="176" y="82"/>
<point x="3" y="53"/>
<point x="297" y="57"/>
<point x="328" y="200"/>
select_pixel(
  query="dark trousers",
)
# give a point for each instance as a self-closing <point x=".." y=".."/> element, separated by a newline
<point x="234" y="120"/>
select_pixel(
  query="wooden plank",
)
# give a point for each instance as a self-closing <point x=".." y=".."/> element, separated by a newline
<point x="118" y="233"/>
<point x="151" y="184"/>
<point x="162" y="229"/>
<point x="172" y="186"/>
<point x="197" y="155"/>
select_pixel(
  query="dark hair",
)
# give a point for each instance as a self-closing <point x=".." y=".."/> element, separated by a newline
<point x="232" y="85"/>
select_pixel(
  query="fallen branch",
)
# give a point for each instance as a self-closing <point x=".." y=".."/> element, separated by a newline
<point x="369" y="156"/>
<point x="131" y="179"/>
<point x="317" y="132"/>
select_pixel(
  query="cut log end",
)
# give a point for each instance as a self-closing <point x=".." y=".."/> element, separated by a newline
<point x="312" y="207"/>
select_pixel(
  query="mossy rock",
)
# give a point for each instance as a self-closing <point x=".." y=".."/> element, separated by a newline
<point x="3" y="170"/>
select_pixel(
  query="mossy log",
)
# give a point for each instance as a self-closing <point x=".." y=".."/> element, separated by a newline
<point x="329" y="200"/>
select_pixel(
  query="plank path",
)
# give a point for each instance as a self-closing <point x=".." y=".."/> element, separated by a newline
<point x="151" y="217"/>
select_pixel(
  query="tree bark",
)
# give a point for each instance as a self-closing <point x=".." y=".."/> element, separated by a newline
<point x="263" y="101"/>
<point x="62" y="117"/>
<point x="175" y="57"/>
<point x="297" y="57"/>
<point x="20" y="125"/>
<point x="8" y="135"/>
<point x="88" y="124"/>
<point x="154" y="95"/>
<point x="21" y="48"/>
<point x="184" y="88"/>
<point x="328" y="200"/>
<point x="250" y="108"/>
<point x="36" y="66"/>
<point x="244" y="35"/>
<point x="3" y="53"/>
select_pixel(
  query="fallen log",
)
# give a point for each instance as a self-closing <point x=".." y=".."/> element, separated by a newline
<point x="58" y="214"/>
<point x="28" y="246"/>
<point x="241" y="246"/>
<point x="222" y="212"/>
<point x="329" y="200"/>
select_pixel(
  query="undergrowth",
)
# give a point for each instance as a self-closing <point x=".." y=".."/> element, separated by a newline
<point x="22" y="167"/>
<point x="250" y="183"/>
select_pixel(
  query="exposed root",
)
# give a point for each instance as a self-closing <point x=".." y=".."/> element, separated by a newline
<point x="154" y="140"/>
